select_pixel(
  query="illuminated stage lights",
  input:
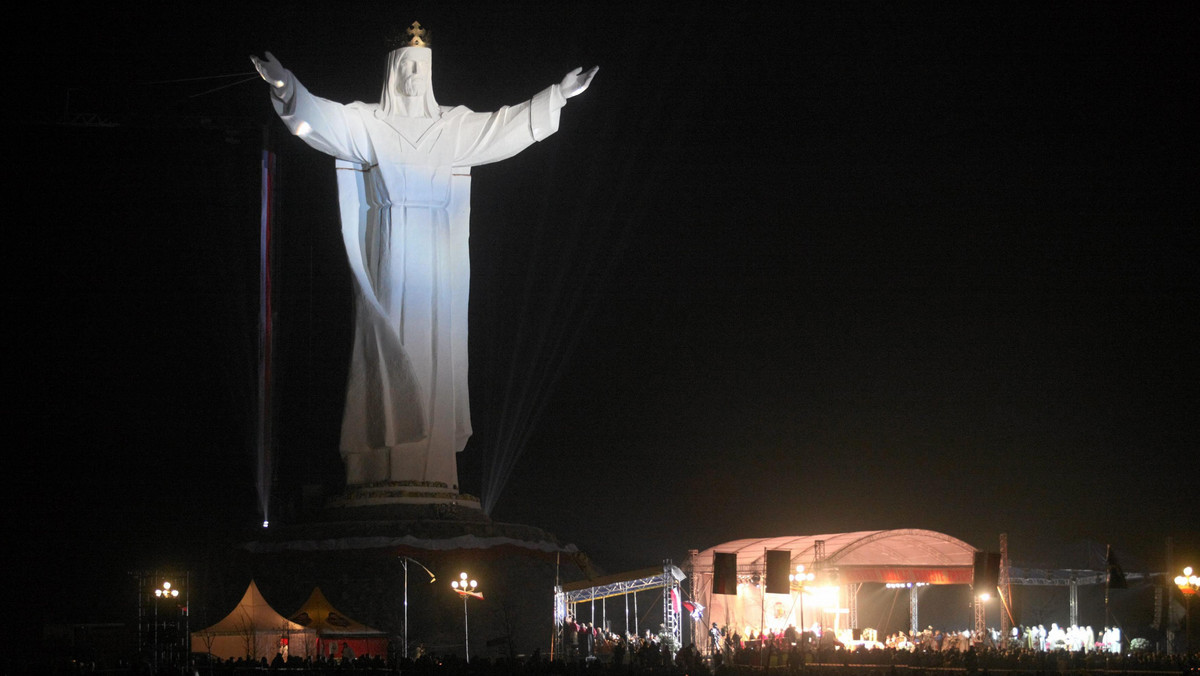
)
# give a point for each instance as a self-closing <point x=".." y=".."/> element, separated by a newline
<point x="905" y="585"/>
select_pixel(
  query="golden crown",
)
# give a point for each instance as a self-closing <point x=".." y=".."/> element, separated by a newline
<point x="417" y="36"/>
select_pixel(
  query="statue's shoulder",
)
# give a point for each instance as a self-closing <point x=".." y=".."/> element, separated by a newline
<point x="451" y="112"/>
<point x="366" y="107"/>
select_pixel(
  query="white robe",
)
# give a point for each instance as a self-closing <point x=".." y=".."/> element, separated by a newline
<point x="405" y="207"/>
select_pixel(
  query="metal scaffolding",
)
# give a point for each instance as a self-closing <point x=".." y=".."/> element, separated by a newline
<point x="852" y="602"/>
<point x="1074" y="601"/>
<point x="980" y="612"/>
<point x="1005" y="587"/>
<point x="667" y="578"/>
<point x="914" y="615"/>
<point x="164" y="630"/>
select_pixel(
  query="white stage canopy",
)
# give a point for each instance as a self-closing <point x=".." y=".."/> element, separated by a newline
<point x="840" y="562"/>
<point x="895" y="556"/>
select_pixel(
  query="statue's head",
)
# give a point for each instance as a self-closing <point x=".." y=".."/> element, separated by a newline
<point x="409" y="87"/>
<point x="413" y="71"/>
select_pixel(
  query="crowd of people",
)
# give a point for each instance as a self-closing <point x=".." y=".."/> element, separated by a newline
<point x="1035" y="638"/>
<point x="1032" y="649"/>
<point x="688" y="661"/>
<point x="588" y="650"/>
<point x="320" y="663"/>
<point x="584" y="642"/>
<point x="1036" y="647"/>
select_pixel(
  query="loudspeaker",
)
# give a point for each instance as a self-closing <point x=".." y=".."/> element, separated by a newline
<point x="779" y="563"/>
<point x="987" y="572"/>
<point x="724" y="573"/>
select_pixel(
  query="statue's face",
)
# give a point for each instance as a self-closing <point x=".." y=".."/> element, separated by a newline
<point x="414" y="77"/>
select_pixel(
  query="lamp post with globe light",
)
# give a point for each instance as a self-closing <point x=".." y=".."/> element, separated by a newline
<point x="1188" y="584"/>
<point x="798" y="580"/>
<point x="465" y="587"/>
<point x="165" y="592"/>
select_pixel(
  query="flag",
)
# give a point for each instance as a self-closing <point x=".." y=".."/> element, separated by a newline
<point x="1116" y="577"/>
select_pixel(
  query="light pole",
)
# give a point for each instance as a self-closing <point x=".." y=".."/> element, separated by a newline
<point x="466" y="588"/>
<point x="160" y="593"/>
<point x="798" y="579"/>
<point x="1188" y="584"/>
<point x="404" y="561"/>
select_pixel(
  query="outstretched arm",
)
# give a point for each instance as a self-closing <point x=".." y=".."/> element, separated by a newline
<point x="491" y="137"/>
<point x="575" y="82"/>
<point x="275" y="74"/>
<point x="322" y="124"/>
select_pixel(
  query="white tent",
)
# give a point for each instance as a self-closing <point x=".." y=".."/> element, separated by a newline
<point x="254" y="630"/>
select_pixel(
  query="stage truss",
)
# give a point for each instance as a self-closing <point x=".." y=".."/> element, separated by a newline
<point x="568" y="598"/>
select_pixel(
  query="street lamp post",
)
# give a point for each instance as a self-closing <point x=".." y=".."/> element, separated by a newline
<point x="160" y="593"/>
<point x="1188" y="584"/>
<point x="466" y="588"/>
<point x="404" y="561"/>
<point x="798" y="579"/>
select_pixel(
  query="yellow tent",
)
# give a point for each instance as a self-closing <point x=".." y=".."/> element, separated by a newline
<point x="254" y="630"/>
<point x="334" y="628"/>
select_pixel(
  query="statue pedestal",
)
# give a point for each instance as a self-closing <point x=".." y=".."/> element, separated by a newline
<point x="402" y="493"/>
<point x="356" y="545"/>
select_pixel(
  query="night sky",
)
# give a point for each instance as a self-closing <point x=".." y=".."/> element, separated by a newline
<point x="854" y="266"/>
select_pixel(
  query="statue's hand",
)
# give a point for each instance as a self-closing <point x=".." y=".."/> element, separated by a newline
<point x="271" y="70"/>
<point x="576" y="81"/>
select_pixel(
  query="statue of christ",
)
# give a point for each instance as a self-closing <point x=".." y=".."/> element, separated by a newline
<point x="404" y="182"/>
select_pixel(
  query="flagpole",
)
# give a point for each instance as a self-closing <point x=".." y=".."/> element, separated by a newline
<point x="1114" y="578"/>
<point x="1108" y="573"/>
